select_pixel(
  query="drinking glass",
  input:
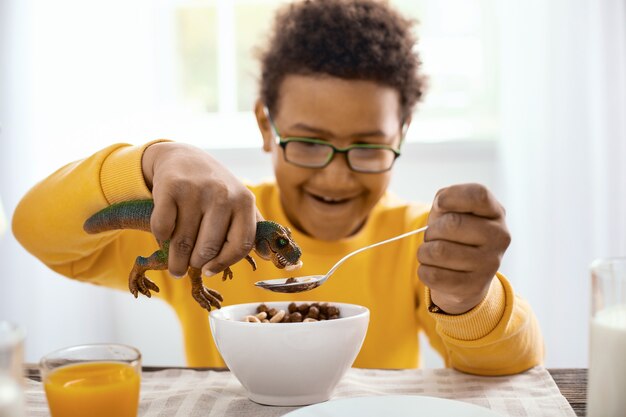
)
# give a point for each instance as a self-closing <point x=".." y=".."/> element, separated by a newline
<point x="11" y="357"/>
<point x="95" y="380"/>
<point x="606" y="392"/>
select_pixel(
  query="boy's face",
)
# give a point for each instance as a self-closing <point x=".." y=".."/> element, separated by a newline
<point x="333" y="202"/>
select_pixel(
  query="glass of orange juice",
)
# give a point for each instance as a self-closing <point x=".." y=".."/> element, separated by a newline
<point x="96" y="380"/>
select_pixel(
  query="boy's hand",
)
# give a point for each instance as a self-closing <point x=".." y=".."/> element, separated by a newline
<point x="463" y="246"/>
<point x="207" y="213"/>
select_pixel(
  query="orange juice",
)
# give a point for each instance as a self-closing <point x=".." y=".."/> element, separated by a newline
<point x="94" y="389"/>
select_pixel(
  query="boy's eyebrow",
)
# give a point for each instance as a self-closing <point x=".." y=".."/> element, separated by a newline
<point x="324" y="132"/>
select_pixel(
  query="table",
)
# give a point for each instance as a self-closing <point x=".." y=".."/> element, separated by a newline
<point x="572" y="382"/>
<point x="573" y="385"/>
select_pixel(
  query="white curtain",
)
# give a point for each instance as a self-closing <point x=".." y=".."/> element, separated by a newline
<point x="74" y="77"/>
<point x="3" y="220"/>
<point x="563" y="156"/>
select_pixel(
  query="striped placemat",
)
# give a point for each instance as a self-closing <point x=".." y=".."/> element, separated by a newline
<point x="190" y="393"/>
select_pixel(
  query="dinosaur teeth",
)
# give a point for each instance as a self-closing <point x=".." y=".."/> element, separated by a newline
<point x="284" y="263"/>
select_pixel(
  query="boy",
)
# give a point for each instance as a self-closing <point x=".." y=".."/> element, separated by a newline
<point x="339" y="83"/>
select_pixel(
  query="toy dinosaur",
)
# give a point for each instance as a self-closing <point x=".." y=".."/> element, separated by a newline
<point x="273" y="242"/>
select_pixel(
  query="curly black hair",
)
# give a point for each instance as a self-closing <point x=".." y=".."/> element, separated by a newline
<point x="349" y="39"/>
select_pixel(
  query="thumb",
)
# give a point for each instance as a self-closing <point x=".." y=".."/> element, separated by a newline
<point x="259" y="217"/>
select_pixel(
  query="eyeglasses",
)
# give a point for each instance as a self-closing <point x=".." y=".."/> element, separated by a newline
<point x="316" y="153"/>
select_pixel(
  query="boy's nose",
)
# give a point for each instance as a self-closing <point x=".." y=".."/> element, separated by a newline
<point x="338" y="170"/>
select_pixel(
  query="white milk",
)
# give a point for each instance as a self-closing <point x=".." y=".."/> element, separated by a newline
<point x="11" y="398"/>
<point x="606" y="395"/>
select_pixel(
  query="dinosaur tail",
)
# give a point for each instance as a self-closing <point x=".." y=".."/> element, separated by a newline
<point x="125" y="215"/>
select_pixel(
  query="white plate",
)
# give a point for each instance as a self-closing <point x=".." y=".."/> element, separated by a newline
<point x="393" y="405"/>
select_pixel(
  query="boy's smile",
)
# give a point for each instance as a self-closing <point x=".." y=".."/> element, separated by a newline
<point x="332" y="202"/>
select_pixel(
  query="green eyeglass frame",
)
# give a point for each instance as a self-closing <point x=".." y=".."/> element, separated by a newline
<point x="283" y="142"/>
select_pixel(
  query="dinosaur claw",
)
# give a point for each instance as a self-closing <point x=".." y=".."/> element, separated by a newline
<point x="212" y="300"/>
<point x="145" y="285"/>
<point x="206" y="297"/>
<point x="151" y="285"/>
<point x="214" y="294"/>
<point x="142" y="288"/>
<point x="139" y="283"/>
<point x="203" y="301"/>
<point x="228" y="274"/>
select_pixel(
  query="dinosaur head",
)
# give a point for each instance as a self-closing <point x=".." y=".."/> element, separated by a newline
<point x="274" y="243"/>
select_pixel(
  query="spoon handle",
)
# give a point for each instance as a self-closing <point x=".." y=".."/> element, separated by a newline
<point x="412" y="232"/>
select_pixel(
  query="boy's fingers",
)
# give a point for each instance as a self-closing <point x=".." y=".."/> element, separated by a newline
<point x="468" y="229"/>
<point x="239" y="242"/>
<point x="468" y="198"/>
<point x="449" y="255"/>
<point x="211" y="237"/>
<point x="183" y="239"/>
<point x="258" y="216"/>
<point x="163" y="219"/>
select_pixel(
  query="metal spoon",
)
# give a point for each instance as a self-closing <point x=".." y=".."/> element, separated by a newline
<point x="309" y="282"/>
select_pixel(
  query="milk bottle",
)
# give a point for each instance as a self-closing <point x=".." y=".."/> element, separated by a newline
<point x="11" y="353"/>
<point x="606" y="389"/>
<point x="11" y="398"/>
<point x="607" y="363"/>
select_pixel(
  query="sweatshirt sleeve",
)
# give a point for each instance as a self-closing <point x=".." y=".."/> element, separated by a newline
<point x="499" y="336"/>
<point x="48" y="221"/>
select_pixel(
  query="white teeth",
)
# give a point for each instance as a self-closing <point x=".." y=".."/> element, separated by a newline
<point x="330" y="200"/>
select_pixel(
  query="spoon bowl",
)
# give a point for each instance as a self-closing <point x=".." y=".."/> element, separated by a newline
<point x="291" y="285"/>
<point x="306" y="283"/>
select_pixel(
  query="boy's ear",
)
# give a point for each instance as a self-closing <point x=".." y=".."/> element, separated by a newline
<point x="264" y="125"/>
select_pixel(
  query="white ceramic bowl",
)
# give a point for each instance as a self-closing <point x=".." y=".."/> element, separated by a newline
<point x="288" y="363"/>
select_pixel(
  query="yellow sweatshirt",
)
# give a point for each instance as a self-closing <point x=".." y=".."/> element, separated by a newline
<point x="499" y="336"/>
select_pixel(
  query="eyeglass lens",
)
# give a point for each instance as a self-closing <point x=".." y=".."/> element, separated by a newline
<point x="317" y="155"/>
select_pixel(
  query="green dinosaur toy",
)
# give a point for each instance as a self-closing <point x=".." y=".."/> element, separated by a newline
<point x="272" y="242"/>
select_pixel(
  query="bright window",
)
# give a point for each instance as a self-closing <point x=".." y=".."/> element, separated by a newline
<point x="215" y="70"/>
